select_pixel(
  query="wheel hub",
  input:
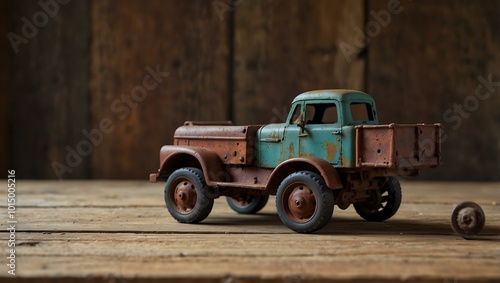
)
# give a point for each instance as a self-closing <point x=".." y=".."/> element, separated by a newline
<point x="185" y="196"/>
<point x="374" y="202"/>
<point x="243" y="200"/>
<point x="467" y="219"/>
<point x="301" y="203"/>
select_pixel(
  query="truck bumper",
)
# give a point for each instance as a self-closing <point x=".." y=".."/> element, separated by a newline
<point x="153" y="177"/>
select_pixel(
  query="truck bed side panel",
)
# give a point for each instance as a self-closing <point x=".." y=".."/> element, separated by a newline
<point x="233" y="144"/>
<point x="398" y="146"/>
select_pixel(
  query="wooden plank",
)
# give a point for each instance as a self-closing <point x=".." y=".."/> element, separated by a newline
<point x="141" y="193"/>
<point x="259" y="256"/>
<point x="283" y="48"/>
<point x="49" y="88"/>
<point x="185" y="40"/>
<point x="426" y="65"/>
<point x="411" y="219"/>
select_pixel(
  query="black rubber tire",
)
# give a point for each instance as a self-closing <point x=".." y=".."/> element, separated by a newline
<point x="256" y="203"/>
<point x="391" y="196"/>
<point x="324" y="201"/>
<point x="204" y="203"/>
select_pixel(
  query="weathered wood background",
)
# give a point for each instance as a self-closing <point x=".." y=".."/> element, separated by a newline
<point x="243" y="61"/>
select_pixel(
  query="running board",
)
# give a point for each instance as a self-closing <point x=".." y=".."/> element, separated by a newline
<point x="239" y="185"/>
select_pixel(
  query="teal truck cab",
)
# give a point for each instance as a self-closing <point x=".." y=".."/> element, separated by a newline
<point x="321" y="124"/>
<point x="330" y="151"/>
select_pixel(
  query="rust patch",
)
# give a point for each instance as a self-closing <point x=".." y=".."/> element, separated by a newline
<point x="291" y="150"/>
<point x="233" y="144"/>
<point x="411" y="146"/>
<point x="273" y="135"/>
<point x="331" y="149"/>
<point x="344" y="161"/>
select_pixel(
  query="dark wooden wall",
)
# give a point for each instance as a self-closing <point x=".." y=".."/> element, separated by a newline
<point x="4" y="90"/>
<point x="428" y="61"/>
<point x="48" y="88"/>
<point x="184" y="39"/>
<point x="83" y="74"/>
<point x="282" y="48"/>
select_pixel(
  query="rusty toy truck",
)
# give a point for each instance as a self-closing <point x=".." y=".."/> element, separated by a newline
<point x="330" y="151"/>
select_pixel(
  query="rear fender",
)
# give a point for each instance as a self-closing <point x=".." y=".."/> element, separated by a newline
<point x="175" y="157"/>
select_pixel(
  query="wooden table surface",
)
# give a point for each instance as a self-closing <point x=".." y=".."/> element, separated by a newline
<point x="120" y="231"/>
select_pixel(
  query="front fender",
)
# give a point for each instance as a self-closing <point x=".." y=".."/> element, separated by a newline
<point x="322" y="167"/>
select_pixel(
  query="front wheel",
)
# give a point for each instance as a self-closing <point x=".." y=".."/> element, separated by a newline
<point x="383" y="203"/>
<point x="247" y="203"/>
<point x="186" y="195"/>
<point x="304" y="203"/>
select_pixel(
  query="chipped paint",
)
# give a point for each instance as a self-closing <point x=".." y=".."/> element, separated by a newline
<point x="344" y="162"/>
<point x="274" y="135"/>
<point x="331" y="149"/>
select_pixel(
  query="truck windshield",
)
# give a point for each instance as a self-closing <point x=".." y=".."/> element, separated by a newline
<point x="361" y="111"/>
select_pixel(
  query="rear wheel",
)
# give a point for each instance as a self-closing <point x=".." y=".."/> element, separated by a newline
<point x="304" y="203"/>
<point x="186" y="195"/>
<point x="383" y="203"/>
<point x="247" y="203"/>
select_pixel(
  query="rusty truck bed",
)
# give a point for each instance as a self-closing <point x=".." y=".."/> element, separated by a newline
<point x="398" y="146"/>
<point x="233" y="144"/>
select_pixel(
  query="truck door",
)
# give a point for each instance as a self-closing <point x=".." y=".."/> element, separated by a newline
<point x="290" y="143"/>
<point x="322" y="135"/>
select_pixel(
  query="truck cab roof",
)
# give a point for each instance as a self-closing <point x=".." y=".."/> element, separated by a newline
<point x="335" y="94"/>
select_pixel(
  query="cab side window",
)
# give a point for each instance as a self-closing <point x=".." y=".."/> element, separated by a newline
<point x="361" y="111"/>
<point x="324" y="113"/>
<point x="330" y="115"/>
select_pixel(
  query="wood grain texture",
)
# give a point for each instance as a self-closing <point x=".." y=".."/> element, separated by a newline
<point x="283" y="48"/>
<point x="49" y="89"/>
<point x="427" y="61"/>
<point x="186" y="40"/>
<point x="123" y="233"/>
